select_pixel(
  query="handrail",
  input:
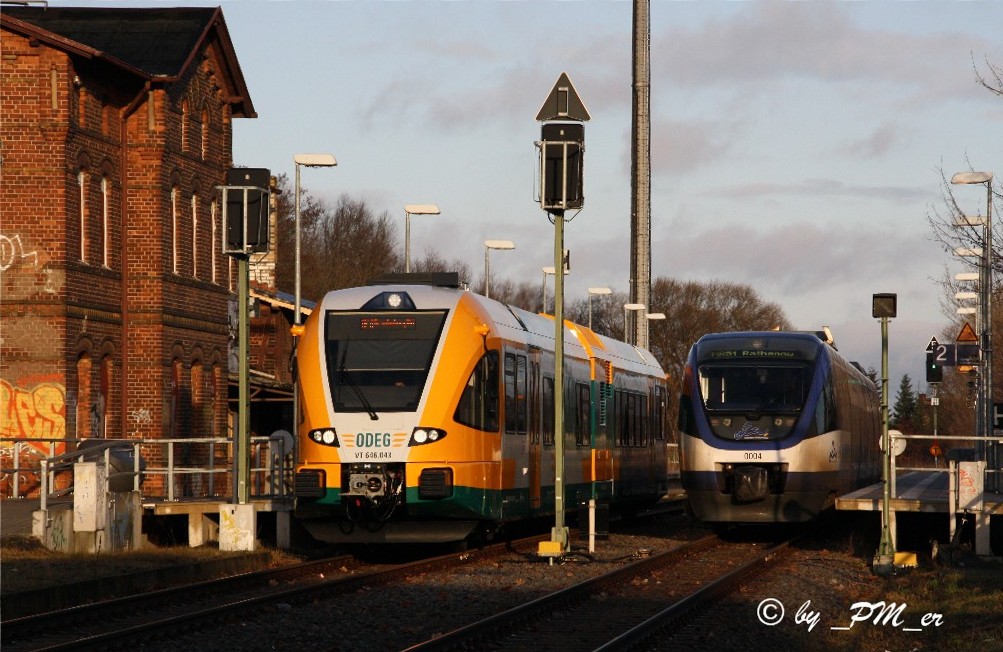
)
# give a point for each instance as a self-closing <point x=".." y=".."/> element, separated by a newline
<point x="196" y="474"/>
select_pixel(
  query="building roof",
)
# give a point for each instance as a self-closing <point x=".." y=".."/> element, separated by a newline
<point x="156" y="43"/>
<point x="280" y="299"/>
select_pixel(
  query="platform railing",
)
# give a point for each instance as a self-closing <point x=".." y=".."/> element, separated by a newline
<point x="993" y="476"/>
<point x="162" y="469"/>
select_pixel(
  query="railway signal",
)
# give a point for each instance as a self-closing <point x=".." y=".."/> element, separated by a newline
<point x="934" y="372"/>
<point x="246" y="200"/>
<point x="562" y="154"/>
<point x="884" y="307"/>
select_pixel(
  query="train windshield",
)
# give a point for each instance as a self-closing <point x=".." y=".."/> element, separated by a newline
<point x="755" y="388"/>
<point x="765" y="388"/>
<point x="379" y="361"/>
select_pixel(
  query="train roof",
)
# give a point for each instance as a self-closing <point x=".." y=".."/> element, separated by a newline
<point x="822" y="337"/>
<point x="443" y="291"/>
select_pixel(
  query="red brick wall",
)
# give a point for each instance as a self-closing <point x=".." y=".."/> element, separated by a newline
<point x="135" y="311"/>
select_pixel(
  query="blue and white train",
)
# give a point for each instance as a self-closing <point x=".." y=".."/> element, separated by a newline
<point x="773" y="426"/>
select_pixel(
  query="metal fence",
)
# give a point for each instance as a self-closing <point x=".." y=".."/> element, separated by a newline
<point x="162" y="469"/>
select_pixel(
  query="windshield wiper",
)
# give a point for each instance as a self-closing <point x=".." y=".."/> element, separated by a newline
<point x="343" y="377"/>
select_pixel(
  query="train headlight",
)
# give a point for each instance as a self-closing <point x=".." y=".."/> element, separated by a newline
<point x="421" y="436"/>
<point x="325" y="437"/>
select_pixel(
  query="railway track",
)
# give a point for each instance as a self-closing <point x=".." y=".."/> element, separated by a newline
<point x="631" y="601"/>
<point x="127" y="621"/>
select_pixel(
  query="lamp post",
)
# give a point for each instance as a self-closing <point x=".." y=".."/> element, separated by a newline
<point x="648" y="318"/>
<point x="409" y="210"/>
<point x="547" y="271"/>
<point x="310" y="161"/>
<point x="986" y="416"/>
<point x="596" y="291"/>
<point x="627" y="308"/>
<point x="488" y="246"/>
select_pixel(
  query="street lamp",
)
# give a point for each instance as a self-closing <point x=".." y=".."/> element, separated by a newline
<point x="409" y="210"/>
<point x="596" y="291"/>
<point x="548" y="271"/>
<point x="310" y="161"/>
<point x="648" y="318"/>
<point x="629" y="307"/>
<point x="488" y="246"/>
<point x="986" y="416"/>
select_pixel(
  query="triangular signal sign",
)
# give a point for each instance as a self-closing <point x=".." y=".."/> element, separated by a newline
<point x="563" y="103"/>
<point x="967" y="334"/>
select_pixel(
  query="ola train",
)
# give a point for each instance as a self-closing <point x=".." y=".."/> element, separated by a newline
<point x="773" y="426"/>
<point x="426" y="414"/>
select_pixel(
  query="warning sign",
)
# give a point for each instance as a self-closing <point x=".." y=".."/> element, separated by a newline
<point x="967" y="334"/>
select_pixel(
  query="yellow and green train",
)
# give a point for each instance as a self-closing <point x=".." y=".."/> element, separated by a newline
<point x="426" y="414"/>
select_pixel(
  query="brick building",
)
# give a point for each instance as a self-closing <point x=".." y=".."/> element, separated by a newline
<point x="115" y="130"/>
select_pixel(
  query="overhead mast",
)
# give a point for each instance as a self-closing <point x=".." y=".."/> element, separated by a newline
<point x="640" y="179"/>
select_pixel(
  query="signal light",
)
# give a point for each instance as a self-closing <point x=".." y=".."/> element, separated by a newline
<point x="934" y="372"/>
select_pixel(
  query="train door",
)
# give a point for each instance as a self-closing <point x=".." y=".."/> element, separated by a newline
<point x="535" y="431"/>
<point x="515" y="434"/>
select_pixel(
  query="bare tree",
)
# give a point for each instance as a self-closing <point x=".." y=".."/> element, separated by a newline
<point x="957" y="391"/>
<point x="995" y="84"/>
<point x="692" y="309"/>
<point x="434" y="262"/>
<point x="344" y="246"/>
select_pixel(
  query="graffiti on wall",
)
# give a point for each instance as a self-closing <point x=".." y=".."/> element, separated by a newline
<point x="38" y="412"/>
<point x="29" y="413"/>
<point x="12" y="251"/>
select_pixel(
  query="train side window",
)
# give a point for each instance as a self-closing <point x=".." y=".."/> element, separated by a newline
<point x="521" y="395"/>
<point x="635" y="420"/>
<point x="583" y="416"/>
<point x="825" y="411"/>
<point x="478" y="406"/>
<point x="534" y="402"/>
<point x="643" y="421"/>
<point x="615" y="428"/>
<point x="548" y="411"/>
<point x="658" y="414"/>
<point x="515" y="394"/>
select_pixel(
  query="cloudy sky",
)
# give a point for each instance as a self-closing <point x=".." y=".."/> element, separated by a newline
<point x="796" y="146"/>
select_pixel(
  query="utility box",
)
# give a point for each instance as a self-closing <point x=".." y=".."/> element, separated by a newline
<point x="238" y="527"/>
<point x="90" y="504"/>
<point x="971" y="485"/>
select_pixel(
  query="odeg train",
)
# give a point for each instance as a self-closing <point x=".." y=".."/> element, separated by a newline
<point x="427" y="415"/>
<point x="774" y="426"/>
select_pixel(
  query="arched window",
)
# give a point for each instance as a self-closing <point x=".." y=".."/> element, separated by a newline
<point x="212" y="387"/>
<point x="175" y="416"/>
<point x="205" y="134"/>
<point x="105" y="218"/>
<point x="83" y="395"/>
<point x="195" y="235"/>
<point x="197" y="377"/>
<point x="213" y="243"/>
<point x="104" y="408"/>
<point x="82" y="183"/>
<point x="175" y="228"/>
<point x="184" y="125"/>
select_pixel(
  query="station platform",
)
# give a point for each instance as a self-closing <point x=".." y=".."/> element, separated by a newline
<point x="930" y="492"/>
<point x="206" y="519"/>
